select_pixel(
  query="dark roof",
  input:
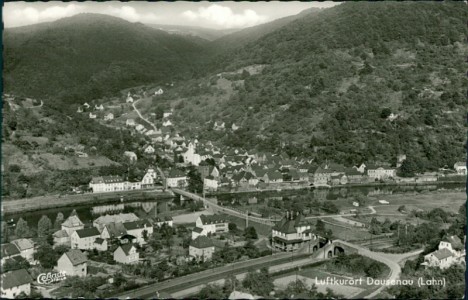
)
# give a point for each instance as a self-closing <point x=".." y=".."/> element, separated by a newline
<point x="15" y="278"/>
<point x="88" y="232"/>
<point x="174" y="173"/>
<point x="107" y="179"/>
<point x="201" y="242"/>
<point x="274" y="175"/>
<point x="443" y="253"/>
<point x="99" y="241"/>
<point x="213" y="219"/>
<point x="288" y="225"/>
<point x="455" y="241"/>
<point x="198" y="229"/>
<point x="9" y="250"/>
<point x="136" y="224"/>
<point x="126" y="248"/>
<point x="168" y="218"/>
<point x="353" y="172"/>
<point x="76" y="257"/>
<point x="116" y="229"/>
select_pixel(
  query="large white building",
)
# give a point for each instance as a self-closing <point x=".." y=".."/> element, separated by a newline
<point x="176" y="178"/>
<point x="190" y="156"/>
<point x="451" y="251"/>
<point x="105" y="184"/>
<point x="377" y="173"/>
<point x="149" y="179"/>
<point x="212" y="224"/>
<point x="201" y="248"/>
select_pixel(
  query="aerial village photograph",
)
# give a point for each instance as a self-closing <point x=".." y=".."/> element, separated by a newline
<point x="234" y="150"/>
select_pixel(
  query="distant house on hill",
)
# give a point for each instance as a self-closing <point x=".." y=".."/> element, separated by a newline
<point x="131" y="156"/>
<point x="99" y="107"/>
<point x="159" y="92"/>
<point x="92" y="116"/>
<point x="129" y="98"/>
<point x="109" y="116"/>
<point x="149" y="149"/>
<point x="130" y="122"/>
<point x="460" y="167"/>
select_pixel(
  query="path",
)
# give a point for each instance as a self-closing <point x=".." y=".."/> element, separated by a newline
<point x="141" y="116"/>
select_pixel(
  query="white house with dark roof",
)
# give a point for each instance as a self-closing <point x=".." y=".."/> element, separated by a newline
<point x="212" y="224"/>
<point x="104" y="184"/>
<point x="14" y="283"/>
<point x="72" y="223"/>
<point x="176" y="178"/>
<point x="118" y="218"/>
<point x="201" y="248"/>
<point x="149" y="149"/>
<point x="73" y="263"/>
<point x="167" y="220"/>
<point x="26" y="248"/>
<point x="126" y="254"/>
<point x="380" y="172"/>
<point x="109" y="116"/>
<point x="149" y="178"/>
<point x="450" y="251"/>
<point x="136" y="228"/>
<point x="84" y="239"/>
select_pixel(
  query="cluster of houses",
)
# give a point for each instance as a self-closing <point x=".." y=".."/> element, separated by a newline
<point x="201" y="247"/>
<point x="97" y="110"/>
<point x="451" y="251"/>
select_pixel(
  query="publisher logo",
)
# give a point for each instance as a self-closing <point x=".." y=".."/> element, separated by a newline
<point x="51" y="277"/>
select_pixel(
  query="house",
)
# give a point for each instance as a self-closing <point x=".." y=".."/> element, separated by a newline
<point x="234" y="127"/>
<point x="61" y="237"/>
<point x="137" y="229"/>
<point x="86" y="105"/>
<point x="100" y="244"/>
<point x="109" y="116"/>
<point x="92" y="116"/>
<point x="340" y="179"/>
<point x="104" y="184"/>
<point x="149" y="179"/>
<point x="102" y="221"/>
<point x="167" y="114"/>
<point x="219" y="126"/>
<point x="84" y="238"/>
<point x="460" y="167"/>
<point x="126" y="254"/>
<point x="131" y="156"/>
<point x="26" y="248"/>
<point x="149" y="149"/>
<point x="167" y="220"/>
<point x="176" y="178"/>
<point x="9" y="251"/>
<point x="130" y="122"/>
<point x="236" y="295"/>
<point x="380" y="172"/>
<point x="292" y="232"/>
<point x="273" y="177"/>
<point x="71" y="224"/>
<point x="454" y="244"/>
<point x="190" y="156"/>
<point x="73" y="263"/>
<point x="212" y="224"/>
<point x="197" y="231"/>
<point x="442" y="259"/>
<point x="113" y="231"/>
<point x="99" y="107"/>
<point x="129" y="98"/>
<point x="139" y="128"/>
<point x="392" y="117"/>
<point x="81" y="154"/>
<point x="14" y="283"/>
<point x="210" y="183"/>
<point x="159" y="92"/>
<point x="80" y="109"/>
<point x="167" y="123"/>
<point x="201" y="248"/>
<point x="400" y="159"/>
<point x="355" y="176"/>
<point x="245" y="179"/>
<point x="361" y="168"/>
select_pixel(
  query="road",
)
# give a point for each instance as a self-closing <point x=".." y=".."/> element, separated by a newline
<point x="391" y="260"/>
<point x="196" y="279"/>
<point x="141" y="116"/>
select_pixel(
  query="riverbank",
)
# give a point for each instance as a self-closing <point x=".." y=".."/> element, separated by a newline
<point x="351" y="185"/>
<point x="56" y="201"/>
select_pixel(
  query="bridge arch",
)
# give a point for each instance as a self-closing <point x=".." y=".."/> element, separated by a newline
<point x="338" y="251"/>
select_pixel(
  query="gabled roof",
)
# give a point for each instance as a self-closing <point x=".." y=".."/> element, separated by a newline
<point x="213" y="219"/>
<point x="99" y="241"/>
<point x="60" y="234"/>
<point x="23" y="244"/>
<point x="76" y="257"/>
<point x="136" y="224"/>
<point x="15" y="278"/>
<point x="106" y="179"/>
<point x="455" y="241"/>
<point x="288" y="225"/>
<point x="443" y="253"/>
<point x="126" y="248"/>
<point x="353" y="172"/>
<point x="119" y="218"/>
<point x="9" y="250"/>
<point x="88" y="232"/>
<point x="201" y="242"/>
<point x="198" y="230"/>
<point x="274" y="175"/>
<point x="175" y="173"/>
<point x="116" y="229"/>
<point x="460" y="164"/>
<point x="72" y="221"/>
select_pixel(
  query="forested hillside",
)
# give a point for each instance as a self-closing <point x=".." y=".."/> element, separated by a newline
<point x="333" y="80"/>
<point x="88" y="56"/>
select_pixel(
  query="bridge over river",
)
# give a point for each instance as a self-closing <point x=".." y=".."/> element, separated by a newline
<point x="227" y="210"/>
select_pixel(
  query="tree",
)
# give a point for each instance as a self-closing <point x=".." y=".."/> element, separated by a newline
<point x="385" y="113"/>
<point x="250" y="233"/>
<point x="230" y="284"/>
<point x="319" y="226"/>
<point x="43" y="226"/>
<point x="46" y="256"/>
<point x="408" y="168"/>
<point x="211" y="291"/>
<point x="259" y="282"/>
<point x="22" y="229"/>
<point x="15" y="264"/>
<point x="58" y="221"/>
<point x="232" y="226"/>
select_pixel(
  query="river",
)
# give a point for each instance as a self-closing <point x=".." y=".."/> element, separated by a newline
<point x="151" y="208"/>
